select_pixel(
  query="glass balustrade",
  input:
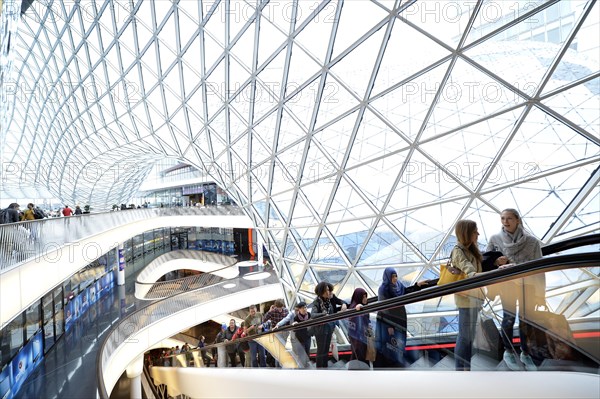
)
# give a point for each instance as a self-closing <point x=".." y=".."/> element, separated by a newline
<point x="22" y="241"/>
<point x="529" y="323"/>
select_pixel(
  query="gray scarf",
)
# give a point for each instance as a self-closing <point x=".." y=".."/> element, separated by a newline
<point x="519" y="246"/>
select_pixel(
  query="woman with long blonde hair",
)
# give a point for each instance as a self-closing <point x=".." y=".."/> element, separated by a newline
<point x="466" y="257"/>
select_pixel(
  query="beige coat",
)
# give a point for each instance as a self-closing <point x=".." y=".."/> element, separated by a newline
<point x="468" y="264"/>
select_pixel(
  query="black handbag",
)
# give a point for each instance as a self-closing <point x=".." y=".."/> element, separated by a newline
<point x="489" y="257"/>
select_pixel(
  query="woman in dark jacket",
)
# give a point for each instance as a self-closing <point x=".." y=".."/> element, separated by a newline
<point x="391" y="323"/>
<point x="322" y="306"/>
<point x="357" y="326"/>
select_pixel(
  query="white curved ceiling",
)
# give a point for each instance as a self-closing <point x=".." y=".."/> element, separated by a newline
<point x="355" y="133"/>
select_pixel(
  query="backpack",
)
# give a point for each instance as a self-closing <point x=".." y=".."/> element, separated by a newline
<point x="38" y="213"/>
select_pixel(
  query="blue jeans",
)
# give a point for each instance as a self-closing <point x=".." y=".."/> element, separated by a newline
<point x="255" y="348"/>
<point x="467" y="319"/>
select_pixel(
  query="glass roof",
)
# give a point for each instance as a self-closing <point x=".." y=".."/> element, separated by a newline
<point x="356" y="133"/>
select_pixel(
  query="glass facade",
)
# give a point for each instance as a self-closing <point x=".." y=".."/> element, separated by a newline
<point x="354" y="133"/>
<point x="90" y="283"/>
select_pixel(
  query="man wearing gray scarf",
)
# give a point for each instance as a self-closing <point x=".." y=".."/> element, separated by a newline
<point x="517" y="246"/>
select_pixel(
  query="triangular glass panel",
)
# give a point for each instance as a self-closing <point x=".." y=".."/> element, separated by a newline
<point x="192" y="59"/>
<point x="545" y="143"/>
<point x="357" y="67"/>
<point x="579" y="104"/>
<point x="216" y="25"/>
<point x="335" y="101"/>
<point x="212" y="50"/>
<point x="202" y="143"/>
<point x="350" y="236"/>
<point x="276" y="235"/>
<point x="279" y="209"/>
<point x="519" y="55"/>
<point x="188" y="13"/>
<point x="240" y="149"/>
<point x="168" y="51"/>
<point x="382" y="248"/>
<point x="302" y="104"/>
<point x="308" y="283"/>
<point x="218" y="140"/>
<point x="581" y="60"/>
<point x="289" y="131"/>
<point x="291" y="160"/>
<point x="216" y="95"/>
<point x="194" y="111"/>
<point x="317" y="194"/>
<point x="237" y="126"/>
<point x="282" y="180"/>
<point x="298" y="271"/>
<point x="444" y="21"/>
<point x="348" y="203"/>
<point x="335" y="139"/>
<point x="533" y="198"/>
<point x="241" y="103"/>
<point x="302" y="67"/>
<point x="585" y="218"/>
<point x="285" y="274"/>
<point x="357" y="17"/>
<point x="244" y="49"/>
<point x="396" y="65"/>
<point x="260" y="176"/>
<point x="238" y="15"/>
<point x="314" y="38"/>
<point x="263" y="136"/>
<point x="332" y="276"/>
<point x="269" y="41"/>
<point x="406" y="106"/>
<point x="291" y="251"/>
<point x="424" y="182"/>
<point x="238" y="73"/>
<point x="164" y="135"/>
<point x="326" y="251"/>
<point x="375" y="179"/>
<point x="350" y="285"/>
<point x="462" y="101"/>
<point x="468" y="153"/>
<point x="426" y="227"/>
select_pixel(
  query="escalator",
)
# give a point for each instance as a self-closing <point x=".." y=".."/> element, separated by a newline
<point x="563" y="331"/>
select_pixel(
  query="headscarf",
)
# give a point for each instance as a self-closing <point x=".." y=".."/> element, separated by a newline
<point x="388" y="290"/>
<point x="357" y="297"/>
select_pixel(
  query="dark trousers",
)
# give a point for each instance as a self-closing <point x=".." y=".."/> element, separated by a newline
<point x="323" y="339"/>
<point x="232" y="359"/>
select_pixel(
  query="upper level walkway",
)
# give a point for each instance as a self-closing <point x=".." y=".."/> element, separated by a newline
<point x="214" y="268"/>
<point x="36" y="256"/>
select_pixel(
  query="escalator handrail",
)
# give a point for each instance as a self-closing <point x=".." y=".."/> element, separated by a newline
<point x="483" y="279"/>
<point x="571" y="243"/>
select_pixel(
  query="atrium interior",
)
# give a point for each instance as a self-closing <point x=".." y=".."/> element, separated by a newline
<point x="350" y="135"/>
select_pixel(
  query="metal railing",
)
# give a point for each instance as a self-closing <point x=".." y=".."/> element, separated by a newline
<point x="22" y="241"/>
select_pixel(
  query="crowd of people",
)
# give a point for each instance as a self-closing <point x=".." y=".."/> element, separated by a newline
<point x="383" y="344"/>
<point x="14" y="214"/>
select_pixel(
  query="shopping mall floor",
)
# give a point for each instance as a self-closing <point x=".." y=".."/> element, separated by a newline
<point x="68" y="370"/>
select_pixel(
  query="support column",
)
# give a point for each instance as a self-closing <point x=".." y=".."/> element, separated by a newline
<point x="121" y="263"/>
<point x="259" y="247"/>
<point x="134" y="372"/>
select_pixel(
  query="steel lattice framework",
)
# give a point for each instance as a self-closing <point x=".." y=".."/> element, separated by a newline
<point x="355" y="133"/>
